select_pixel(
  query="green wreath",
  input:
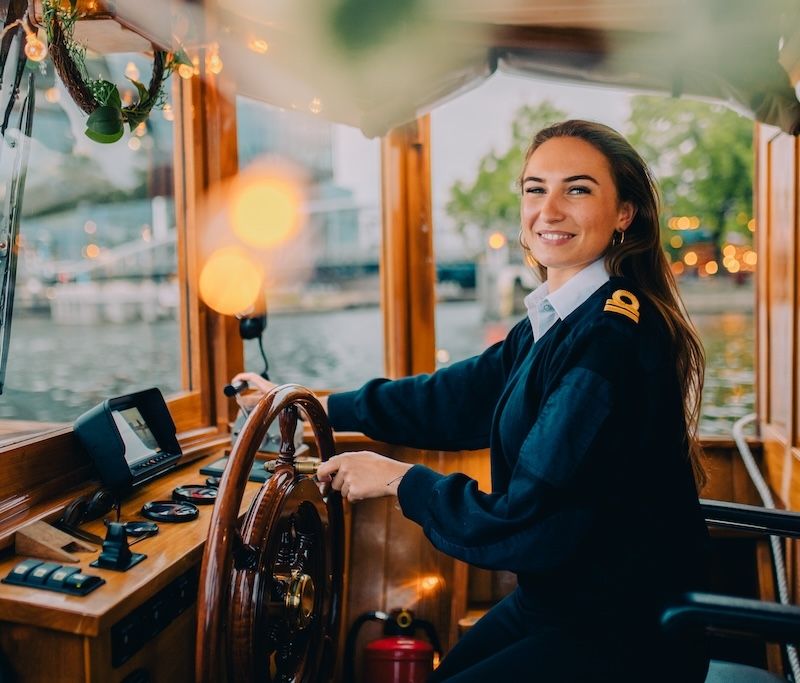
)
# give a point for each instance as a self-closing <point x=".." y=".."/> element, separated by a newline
<point x="100" y="98"/>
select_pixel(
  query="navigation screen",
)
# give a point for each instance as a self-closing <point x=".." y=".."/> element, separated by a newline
<point x="136" y="435"/>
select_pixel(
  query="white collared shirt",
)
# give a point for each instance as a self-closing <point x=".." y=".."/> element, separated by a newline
<point x="544" y="309"/>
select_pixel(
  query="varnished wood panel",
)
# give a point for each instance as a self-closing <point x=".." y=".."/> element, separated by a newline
<point x="39" y="655"/>
<point x="778" y="321"/>
<point x="206" y="154"/>
<point x="762" y="136"/>
<point x="407" y="264"/>
<point x="168" y="657"/>
<point x="780" y="265"/>
<point x="173" y="551"/>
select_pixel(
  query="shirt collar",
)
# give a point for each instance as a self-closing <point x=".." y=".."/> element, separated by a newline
<point x="544" y="308"/>
<point x="579" y="288"/>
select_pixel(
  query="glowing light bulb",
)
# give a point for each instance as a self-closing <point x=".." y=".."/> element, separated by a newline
<point x="35" y="49"/>
<point x="185" y="71"/>
<point x="214" y="63"/>
<point x="429" y="583"/>
<point x="258" y="45"/>
<point x="131" y="71"/>
<point x="315" y="106"/>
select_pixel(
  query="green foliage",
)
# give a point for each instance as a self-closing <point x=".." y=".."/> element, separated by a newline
<point x="106" y="93"/>
<point x="177" y="58"/>
<point x="105" y="124"/>
<point x="491" y="200"/>
<point x="702" y="155"/>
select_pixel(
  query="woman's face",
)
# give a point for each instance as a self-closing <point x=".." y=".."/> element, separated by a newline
<point x="570" y="208"/>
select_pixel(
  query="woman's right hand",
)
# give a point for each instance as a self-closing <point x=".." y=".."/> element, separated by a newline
<point x="255" y="381"/>
<point x="262" y="386"/>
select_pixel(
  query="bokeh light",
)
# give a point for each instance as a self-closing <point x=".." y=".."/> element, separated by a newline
<point x="265" y="209"/>
<point x="259" y="214"/>
<point x="230" y="281"/>
<point x="497" y="240"/>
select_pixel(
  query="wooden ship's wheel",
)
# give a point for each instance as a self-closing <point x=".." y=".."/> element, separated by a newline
<point x="271" y="585"/>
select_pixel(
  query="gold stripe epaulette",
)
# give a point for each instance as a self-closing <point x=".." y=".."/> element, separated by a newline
<point x="624" y="303"/>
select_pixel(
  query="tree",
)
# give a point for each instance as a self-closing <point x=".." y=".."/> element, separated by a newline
<point x="491" y="201"/>
<point x="702" y="155"/>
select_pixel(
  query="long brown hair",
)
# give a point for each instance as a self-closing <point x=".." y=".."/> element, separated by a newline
<point x="641" y="259"/>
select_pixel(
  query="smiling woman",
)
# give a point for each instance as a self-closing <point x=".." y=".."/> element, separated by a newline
<point x="555" y="463"/>
<point x="602" y="373"/>
<point x="568" y="218"/>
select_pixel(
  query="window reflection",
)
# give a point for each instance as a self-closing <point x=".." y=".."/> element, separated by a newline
<point x="96" y="296"/>
<point x="324" y="324"/>
<point x="707" y="224"/>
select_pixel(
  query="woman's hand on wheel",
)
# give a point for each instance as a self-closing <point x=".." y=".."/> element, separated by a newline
<point x="360" y="475"/>
<point x="262" y="386"/>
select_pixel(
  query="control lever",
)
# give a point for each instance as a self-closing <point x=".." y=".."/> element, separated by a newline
<point x="231" y="390"/>
<point x="116" y="553"/>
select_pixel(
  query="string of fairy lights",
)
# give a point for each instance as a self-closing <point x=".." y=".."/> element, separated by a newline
<point x="35" y="48"/>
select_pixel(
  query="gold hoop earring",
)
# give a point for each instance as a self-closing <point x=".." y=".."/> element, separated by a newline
<point x="524" y="246"/>
<point x="617" y="238"/>
<point x="527" y="252"/>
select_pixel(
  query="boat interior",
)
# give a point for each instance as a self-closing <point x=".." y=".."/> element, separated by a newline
<point x="273" y="581"/>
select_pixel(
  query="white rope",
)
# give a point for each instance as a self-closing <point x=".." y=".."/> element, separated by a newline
<point x="775" y="541"/>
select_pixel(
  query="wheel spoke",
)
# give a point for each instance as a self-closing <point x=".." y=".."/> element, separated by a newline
<point x="289" y="657"/>
<point x="302" y="554"/>
<point x="245" y="556"/>
<point x="284" y="556"/>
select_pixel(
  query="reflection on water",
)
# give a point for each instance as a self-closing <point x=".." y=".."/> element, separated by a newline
<point x="729" y="389"/>
<point x="56" y="372"/>
<point x="728" y="338"/>
<point x="335" y="350"/>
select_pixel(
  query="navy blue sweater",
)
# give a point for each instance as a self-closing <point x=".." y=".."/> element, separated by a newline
<point x="593" y="503"/>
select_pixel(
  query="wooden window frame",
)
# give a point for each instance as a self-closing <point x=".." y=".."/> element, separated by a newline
<point x="39" y="474"/>
<point x="407" y="266"/>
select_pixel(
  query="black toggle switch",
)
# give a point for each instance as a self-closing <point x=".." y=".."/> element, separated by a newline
<point x="116" y="554"/>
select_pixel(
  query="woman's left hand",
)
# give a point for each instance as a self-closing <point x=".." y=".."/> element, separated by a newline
<point x="360" y="475"/>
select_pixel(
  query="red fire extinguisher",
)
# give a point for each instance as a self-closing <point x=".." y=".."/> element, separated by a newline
<point x="397" y="657"/>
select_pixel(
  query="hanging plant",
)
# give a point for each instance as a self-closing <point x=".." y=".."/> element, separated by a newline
<point x="101" y="99"/>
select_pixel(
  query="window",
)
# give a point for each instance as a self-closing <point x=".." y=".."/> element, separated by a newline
<point x="95" y="307"/>
<point x="707" y="220"/>
<point x="323" y="295"/>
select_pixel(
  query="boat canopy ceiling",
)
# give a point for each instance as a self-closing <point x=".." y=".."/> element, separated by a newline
<point x="375" y="64"/>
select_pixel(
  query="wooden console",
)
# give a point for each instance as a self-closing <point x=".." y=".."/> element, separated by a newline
<point x="48" y="636"/>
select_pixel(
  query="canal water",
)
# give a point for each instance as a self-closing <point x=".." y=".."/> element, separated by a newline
<point x="55" y="372"/>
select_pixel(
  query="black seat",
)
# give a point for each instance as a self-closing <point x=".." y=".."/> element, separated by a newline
<point x="767" y="621"/>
